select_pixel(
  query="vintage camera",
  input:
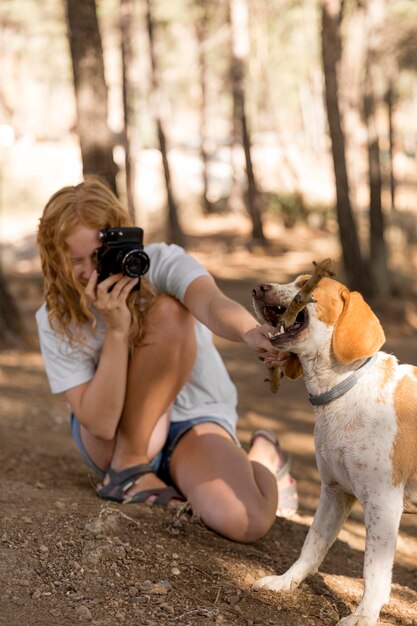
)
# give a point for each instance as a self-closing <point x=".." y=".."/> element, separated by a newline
<point x="122" y="251"/>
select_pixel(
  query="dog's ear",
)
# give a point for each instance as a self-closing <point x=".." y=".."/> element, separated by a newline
<point x="358" y="333"/>
<point x="293" y="368"/>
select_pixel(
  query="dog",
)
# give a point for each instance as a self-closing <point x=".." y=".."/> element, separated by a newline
<point x="365" y="405"/>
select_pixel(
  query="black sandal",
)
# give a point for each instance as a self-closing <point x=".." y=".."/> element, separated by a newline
<point x="121" y="482"/>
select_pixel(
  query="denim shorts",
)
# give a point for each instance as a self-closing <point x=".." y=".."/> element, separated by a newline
<point x="160" y="464"/>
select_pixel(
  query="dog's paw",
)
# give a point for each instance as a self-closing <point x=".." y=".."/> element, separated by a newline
<point x="276" y="583"/>
<point x="357" y="620"/>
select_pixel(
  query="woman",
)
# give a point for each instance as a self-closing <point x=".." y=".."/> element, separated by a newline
<point x="153" y="408"/>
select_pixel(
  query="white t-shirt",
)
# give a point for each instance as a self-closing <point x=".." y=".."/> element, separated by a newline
<point x="209" y="390"/>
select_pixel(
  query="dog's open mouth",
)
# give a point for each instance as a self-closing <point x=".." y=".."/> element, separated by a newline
<point x="273" y="315"/>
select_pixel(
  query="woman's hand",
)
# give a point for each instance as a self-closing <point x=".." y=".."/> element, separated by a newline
<point x="257" y="339"/>
<point x="110" y="298"/>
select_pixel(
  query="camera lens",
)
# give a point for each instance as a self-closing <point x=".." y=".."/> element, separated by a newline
<point x="135" y="263"/>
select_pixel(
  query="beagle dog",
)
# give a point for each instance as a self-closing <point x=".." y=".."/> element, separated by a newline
<point x="365" y="405"/>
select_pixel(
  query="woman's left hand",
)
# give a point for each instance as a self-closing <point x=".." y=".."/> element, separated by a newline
<point x="257" y="339"/>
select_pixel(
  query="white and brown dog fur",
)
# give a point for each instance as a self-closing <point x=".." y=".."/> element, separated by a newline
<point x="366" y="440"/>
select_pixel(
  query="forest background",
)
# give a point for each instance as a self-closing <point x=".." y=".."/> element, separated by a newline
<point x="283" y="111"/>
<point x="261" y="135"/>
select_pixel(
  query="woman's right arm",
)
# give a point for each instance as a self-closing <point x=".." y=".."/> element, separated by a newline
<point x="98" y="404"/>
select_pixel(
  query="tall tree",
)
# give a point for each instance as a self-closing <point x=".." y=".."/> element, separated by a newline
<point x="11" y="325"/>
<point x="378" y="262"/>
<point x="390" y="97"/>
<point x="125" y="46"/>
<point x="356" y="269"/>
<point x="240" y="51"/>
<point x="91" y="95"/>
<point x="174" y="231"/>
<point x="201" y="11"/>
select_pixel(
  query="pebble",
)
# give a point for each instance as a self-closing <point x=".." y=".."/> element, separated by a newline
<point x="36" y="594"/>
<point x="133" y="592"/>
<point x="103" y="526"/>
<point x="232" y="599"/>
<point x="83" y="613"/>
<point x="175" y="571"/>
<point x="167" y="608"/>
<point x="146" y="585"/>
<point x="165" y="583"/>
<point x="249" y="579"/>
<point x="158" y="590"/>
<point x="142" y="599"/>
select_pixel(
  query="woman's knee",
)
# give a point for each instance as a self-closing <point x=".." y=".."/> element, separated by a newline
<point x="239" y="521"/>
<point x="169" y="319"/>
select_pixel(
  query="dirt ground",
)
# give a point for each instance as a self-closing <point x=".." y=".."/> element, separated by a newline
<point x="66" y="557"/>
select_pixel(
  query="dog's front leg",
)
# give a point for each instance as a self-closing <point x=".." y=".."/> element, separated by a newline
<point x="333" y="508"/>
<point x="382" y="520"/>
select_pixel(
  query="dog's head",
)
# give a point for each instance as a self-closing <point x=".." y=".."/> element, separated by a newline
<point x="337" y="319"/>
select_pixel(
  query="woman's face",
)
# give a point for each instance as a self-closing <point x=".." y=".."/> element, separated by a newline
<point x="82" y="246"/>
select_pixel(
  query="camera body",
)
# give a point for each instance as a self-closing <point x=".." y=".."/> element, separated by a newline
<point x="122" y="252"/>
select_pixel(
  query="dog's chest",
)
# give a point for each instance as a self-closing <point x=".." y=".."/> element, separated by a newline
<point x="353" y="449"/>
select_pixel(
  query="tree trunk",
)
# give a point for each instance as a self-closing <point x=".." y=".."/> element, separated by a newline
<point x="201" y="33"/>
<point x="11" y="325"/>
<point x="389" y="99"/>
<point x="96" y="140"/>
<point x="378" y="252"/>
<point x="174" y="230"/>
<point x="356" y="270"/>
<point x="125" y="36"/>
<point x="240" y="48"/>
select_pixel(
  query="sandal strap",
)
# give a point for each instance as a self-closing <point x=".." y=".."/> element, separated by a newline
<point x="285" y="467"/>
<point x="265" y="434"/>
<point x="163" y="496"/>
<point x="130" y="473"/>
<point x="270" y="436"/>
<point x="120" y="482"/>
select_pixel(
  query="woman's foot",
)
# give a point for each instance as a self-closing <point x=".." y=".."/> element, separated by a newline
<point x="138" y="484"/>
<point x="265" y="449"/>
<point x="149" y="482"/>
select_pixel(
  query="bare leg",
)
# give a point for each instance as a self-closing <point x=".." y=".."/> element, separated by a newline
<point x="262" y="449"/>
<point x="158" y="369"/>
<point x="232" y="495"/>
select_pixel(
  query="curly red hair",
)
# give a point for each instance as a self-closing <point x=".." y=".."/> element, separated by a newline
<point x="94" y="205"/>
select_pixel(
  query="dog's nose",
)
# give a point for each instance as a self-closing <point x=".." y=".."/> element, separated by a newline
<point x="259" y="290"/>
